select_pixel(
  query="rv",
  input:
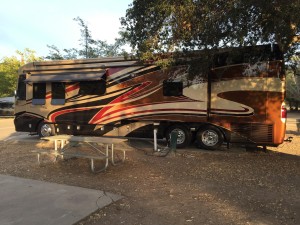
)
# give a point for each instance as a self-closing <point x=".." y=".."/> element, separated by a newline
<point x="225" y="96"/>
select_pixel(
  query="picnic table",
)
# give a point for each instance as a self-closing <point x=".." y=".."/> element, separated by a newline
<point x="62" y="144"/>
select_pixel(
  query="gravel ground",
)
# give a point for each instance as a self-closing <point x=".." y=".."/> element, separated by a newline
<point x="192" y="187"/>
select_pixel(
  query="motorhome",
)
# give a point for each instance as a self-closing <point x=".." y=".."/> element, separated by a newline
<point x="228" y="95"/>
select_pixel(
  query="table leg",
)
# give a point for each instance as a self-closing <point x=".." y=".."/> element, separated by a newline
<point x="55" y="145"/>
<point x="112" y="155"/>
<point x="62" y="144"/>
<point x="106" y="162"/>
<point x="107" y="156"/>
<point x="38" y="158"/>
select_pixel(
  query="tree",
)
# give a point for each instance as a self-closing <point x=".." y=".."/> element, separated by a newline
<point x="86" y="40"/>
<point x="56" y="54"/>
<point x="9" y="67"/>
<point x="169" y="25"/>
<point x="91" y="48"/>
<point x="293" y="83"/>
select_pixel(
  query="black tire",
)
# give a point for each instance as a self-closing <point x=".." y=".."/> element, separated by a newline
<point x="184" y="135"/>
<point x="45" y="129"/>
<point x="209" y="137"/>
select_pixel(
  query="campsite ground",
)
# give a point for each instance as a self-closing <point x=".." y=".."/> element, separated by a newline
<point x="192" y="187"/>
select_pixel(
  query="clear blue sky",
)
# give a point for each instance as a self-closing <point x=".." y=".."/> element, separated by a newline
<point x="35" y="24"/>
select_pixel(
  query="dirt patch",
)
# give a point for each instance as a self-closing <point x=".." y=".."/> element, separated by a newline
<point x="193" y="187"/>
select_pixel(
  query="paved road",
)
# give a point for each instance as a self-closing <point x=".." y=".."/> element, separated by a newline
<point x="292" y="121"/>
<point x="32" y="202"/>
<point x="7" y="131"/>
<point x="53" y="203"/>
<point x="7" y="128"/>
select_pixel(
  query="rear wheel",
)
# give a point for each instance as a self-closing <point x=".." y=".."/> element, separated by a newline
<point x="184" y="135"/>
<point x="210" y="137"/>
<point x="45" y="129"/>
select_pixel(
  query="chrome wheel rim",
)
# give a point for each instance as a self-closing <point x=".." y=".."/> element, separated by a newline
<point x="46" y="130"/>
<point x="209" y="138"/>
<point x="181" y="136"/>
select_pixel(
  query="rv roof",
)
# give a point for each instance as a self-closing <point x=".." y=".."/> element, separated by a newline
<point x="108" y="62"/>
<point x="77" y="64"/>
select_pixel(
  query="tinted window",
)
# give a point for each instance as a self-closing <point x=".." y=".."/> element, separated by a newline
<point x="58" y="93"/>
<point x="172" y="88"/>
<point x="92" y="87"/>
<point x="21" y="92"/>
<point x="39" y="93"/>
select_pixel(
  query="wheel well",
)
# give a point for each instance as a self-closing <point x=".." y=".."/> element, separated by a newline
<point x="225" y="132"/>
<point x="38" y="124"/>
<point x="184" y="135"/>
<point x="166" y="127"/>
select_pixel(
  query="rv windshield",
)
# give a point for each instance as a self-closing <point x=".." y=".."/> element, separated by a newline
<point x="21" y="89"/>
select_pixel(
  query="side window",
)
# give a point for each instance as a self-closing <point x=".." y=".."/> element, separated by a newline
<point x="58" y="93"/>
<point x="92" y="87"/>
<point x="21" y="91"/>
<point x="172" y="88"/>
<point x="39" y="94"/>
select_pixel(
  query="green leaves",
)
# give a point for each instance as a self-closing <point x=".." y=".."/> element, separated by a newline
<point x="9" y="70"/>
<point x="168" y="25"/>
<point x="90" y="48"/>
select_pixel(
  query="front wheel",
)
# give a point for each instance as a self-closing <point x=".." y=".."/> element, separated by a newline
<point x="184" y="135"/>
<point x="45" y="129"/>
<point x="210" y="137"/>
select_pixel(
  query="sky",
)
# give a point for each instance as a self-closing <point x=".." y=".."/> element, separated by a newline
<point x="34" y="24"/>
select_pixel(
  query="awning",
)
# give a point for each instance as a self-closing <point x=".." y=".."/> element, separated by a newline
<point x="65" y="77"/>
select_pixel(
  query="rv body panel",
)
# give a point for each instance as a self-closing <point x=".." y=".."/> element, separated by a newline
<point x="243" y="100"/>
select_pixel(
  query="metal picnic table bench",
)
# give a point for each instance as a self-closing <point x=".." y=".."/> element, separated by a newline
<point x="63" y="142"/>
